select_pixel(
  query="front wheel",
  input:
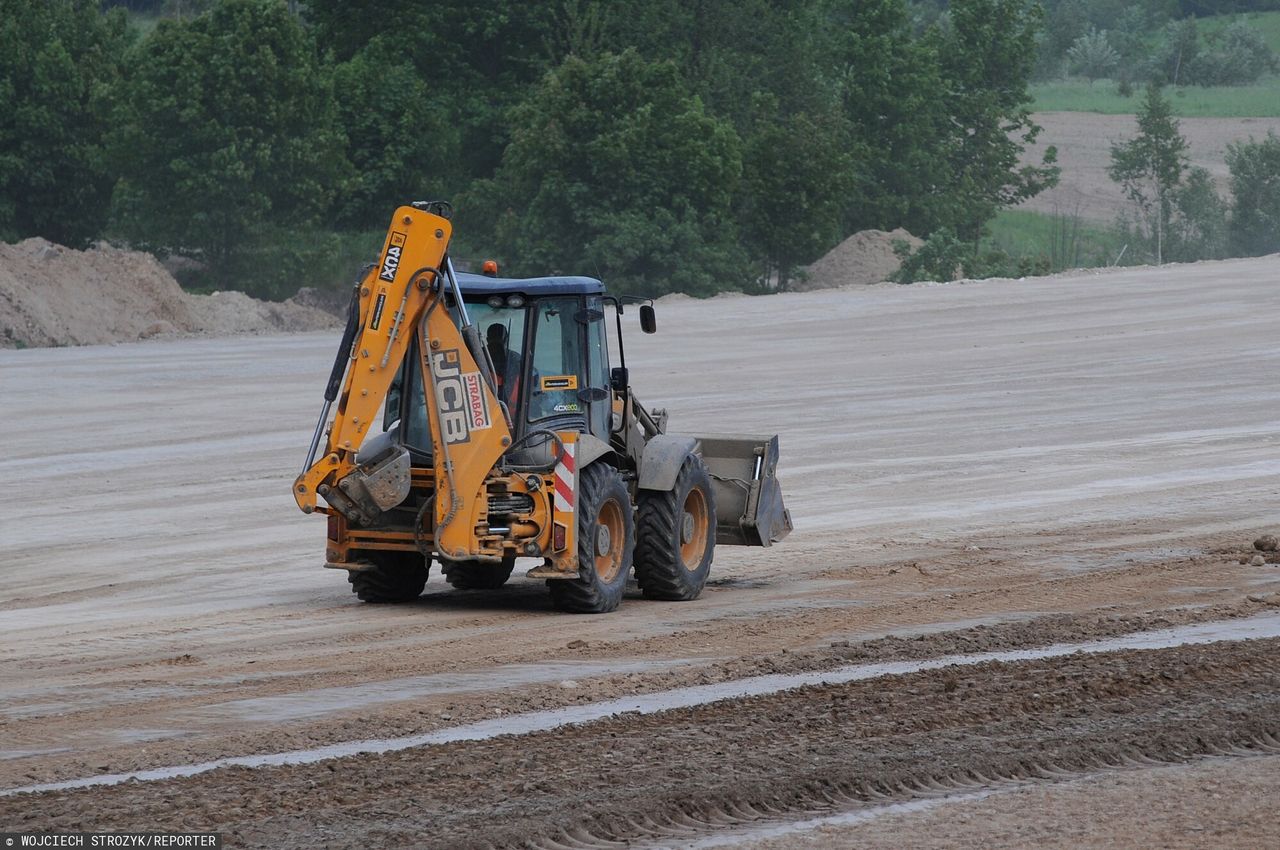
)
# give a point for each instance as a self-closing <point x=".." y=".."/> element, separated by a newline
<point x="606" y="539"/>
<point x="676" y="535"/>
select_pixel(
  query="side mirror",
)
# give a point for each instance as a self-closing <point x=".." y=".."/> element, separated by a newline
<point x="618" y="379"/>
<point x="648" y="319"/>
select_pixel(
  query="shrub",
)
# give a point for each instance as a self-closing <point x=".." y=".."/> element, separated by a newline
<point x="1237" y="56"/>
<point x="1255" y="190"/>
<point x="1198" y="227"/>
<point x="939" y="258"/>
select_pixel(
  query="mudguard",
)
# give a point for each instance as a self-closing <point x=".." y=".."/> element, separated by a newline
<point x="660" y="463"/>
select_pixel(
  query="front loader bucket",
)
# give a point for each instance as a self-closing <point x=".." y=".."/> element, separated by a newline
<point x="749" y="509"/>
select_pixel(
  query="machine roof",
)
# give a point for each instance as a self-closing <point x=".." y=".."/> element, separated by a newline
<point x="478" y="284"/>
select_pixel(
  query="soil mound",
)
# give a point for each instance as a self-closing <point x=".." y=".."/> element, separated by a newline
<point x="51" y="295"/>
<point x="865" y="257"/>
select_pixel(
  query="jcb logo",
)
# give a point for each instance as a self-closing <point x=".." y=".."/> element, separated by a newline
<point x="451" y="396"/>
<point x="391" y="262"/>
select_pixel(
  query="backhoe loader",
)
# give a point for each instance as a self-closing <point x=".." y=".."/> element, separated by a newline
<point x="478" y="421"/>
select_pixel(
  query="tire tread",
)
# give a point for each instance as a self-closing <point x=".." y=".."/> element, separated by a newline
<point x="660" y="572"/>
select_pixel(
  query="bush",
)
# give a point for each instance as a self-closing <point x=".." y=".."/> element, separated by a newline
<point x="939" y="258"/>
<point x="943" y="257"/>
<point x="1237" y="56"/>
<point x="1198" y="228"/>
<point x="1255" y="190"/>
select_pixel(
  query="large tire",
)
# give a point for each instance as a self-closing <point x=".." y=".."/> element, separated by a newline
<point x="604" y="557"/>
<point x="394" y="577"/>
<point x="478" y="575"/>
<point x="676" y="535"/>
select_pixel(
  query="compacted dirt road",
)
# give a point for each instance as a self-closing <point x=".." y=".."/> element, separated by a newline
<point x="971" y="467"/>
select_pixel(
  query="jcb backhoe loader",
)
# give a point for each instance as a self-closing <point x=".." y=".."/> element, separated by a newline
<point x="478" y="421"/>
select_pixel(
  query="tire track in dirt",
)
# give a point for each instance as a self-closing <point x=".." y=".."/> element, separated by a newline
<point x="799" y="751"/>
<point x="42" y="762"/>
<point x="707" y="827"/>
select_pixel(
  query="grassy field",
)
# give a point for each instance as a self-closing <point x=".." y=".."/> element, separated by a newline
<point x="1256" y="101"/>
<point x="1067" y="242"/>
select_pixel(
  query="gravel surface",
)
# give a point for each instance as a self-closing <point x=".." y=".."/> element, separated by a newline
<point x="969" y="466"/>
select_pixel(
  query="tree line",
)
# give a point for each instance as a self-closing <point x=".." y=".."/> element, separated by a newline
<point x="665" y="145"/>
<point x="1175" y="212"/>
<point x="1153" y="41"/>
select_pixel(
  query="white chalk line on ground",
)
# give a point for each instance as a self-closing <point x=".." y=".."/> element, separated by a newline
<point x="1253" y="628"/>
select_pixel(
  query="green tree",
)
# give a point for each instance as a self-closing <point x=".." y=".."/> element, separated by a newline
<point x="1239" y="55"/>
<point x="796" y="181"/>
<point x="1177" y="52"/>
<point x="227" y="134"/>
<point x="615" y="169"/>
<point x="985" y="58"/>
<point x="401" y="141"/>
<point x="1149" y="168"/>
<point x="479" y="58"/>
<point x="1092" y="55"/>
<point x="889" y="86"/>
<point x="1255" y="192"/>
<point x="58" y="63"/>
<point x="727" y="51"/>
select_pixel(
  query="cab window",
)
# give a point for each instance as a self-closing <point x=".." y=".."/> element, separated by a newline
<point x="556" y="373"/>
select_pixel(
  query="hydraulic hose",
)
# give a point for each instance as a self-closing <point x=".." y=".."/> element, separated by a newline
<point x="339" y="369"/>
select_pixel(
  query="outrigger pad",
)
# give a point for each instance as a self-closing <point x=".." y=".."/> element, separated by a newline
<point x="749" y="508"/>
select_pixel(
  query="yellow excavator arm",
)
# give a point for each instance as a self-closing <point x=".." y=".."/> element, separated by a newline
<point x="406" y="294"/>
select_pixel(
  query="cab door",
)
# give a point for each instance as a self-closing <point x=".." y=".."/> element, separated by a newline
<point x="567" y="381"/>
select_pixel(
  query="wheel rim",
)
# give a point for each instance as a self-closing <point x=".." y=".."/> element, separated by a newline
<point x="694" y="528"/>
<point x="609" y="534"/>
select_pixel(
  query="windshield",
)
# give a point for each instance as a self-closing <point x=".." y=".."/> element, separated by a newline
<point x="502" y="329"/>
<point x="557" y="360"/>
<point x="416" y="434"/>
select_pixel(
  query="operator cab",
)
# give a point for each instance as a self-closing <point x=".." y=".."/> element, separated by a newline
<point x="546" y="339"/>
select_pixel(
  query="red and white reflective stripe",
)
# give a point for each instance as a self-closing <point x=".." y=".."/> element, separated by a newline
<point x="564" y="479"/>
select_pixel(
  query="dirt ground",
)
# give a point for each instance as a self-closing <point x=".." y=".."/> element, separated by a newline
<point x="865" y="257"/>
<point x="1220" y="803"/>
<point x="970" y="466"/>
<point x="1084" y="142"/>
<point x="54" y="296"/>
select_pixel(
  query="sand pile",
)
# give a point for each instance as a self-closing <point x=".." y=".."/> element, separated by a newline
<point x="865" y="257"/>
<point x="50" y="295"/>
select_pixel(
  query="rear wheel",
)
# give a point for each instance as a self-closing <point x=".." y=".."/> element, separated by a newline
<point x="478" y="575"/>
<point x="394" y="576"/>
<point x="606" y="539"/>
<point x="676" y="535"/>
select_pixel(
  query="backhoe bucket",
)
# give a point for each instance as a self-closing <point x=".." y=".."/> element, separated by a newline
<point x="749" y="509"/>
